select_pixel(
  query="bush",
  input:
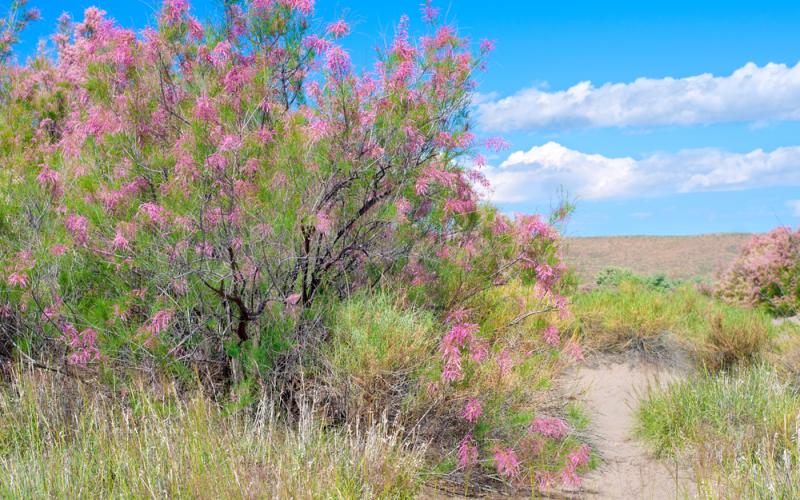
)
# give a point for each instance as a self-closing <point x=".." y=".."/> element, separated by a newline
<point x="766" y="273"/>
<point x="196" y="198"/>
<point x="615" y="276"/>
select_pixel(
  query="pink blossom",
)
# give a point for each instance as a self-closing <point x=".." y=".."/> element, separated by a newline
<point x="293" y="299"/>
<point x="459" y="315"/>
<point x="160" y="320"/>
<point x="403" y="207"/>
<point x="554" y="428"/>
<point x="478" y="349"/>
<point x="506" y="461"/>
<point x="544" y="480"/>
<point x="337" y="61"/>
<point x="230" y="143"/>
<point x="487" y="45"/>
<point x="195" y="29"/>
<point x="316" y="43"/>
<point x="550" y="335"/>
<point x="467" y="452"/>
<point x="504" y="362"/>
<point x="579" y="456"/>
<point x="217" y="161"/>
<point x="77" y="225"/>
<point x="323" y="222"/>
<point x="51" y="180"/>
<point x="58" y="250"/>
<point x="497" y="144"/>
<point x="429" y="13"/>
<point x="459" y="336"/>
<point x="18" y="279"/>
<point x="83" y="343"/>
<point x="573" y="349"/>
<point x="305" y="7"/>
<point x="261" y="5"/>
<point x="569" y="477"/>
<point x="51" y="311"/>
<point x="338" y="29"/>
<point x="33" y="14"/>
<point x="120" y="242"/>
<point x="204" y="109"/>
<point x="221" y="53"/>
<point x="472" y="411"/>
<point x="154" y="213"/>
<point x="174" y="10"/>
<point x="204" y="249"/>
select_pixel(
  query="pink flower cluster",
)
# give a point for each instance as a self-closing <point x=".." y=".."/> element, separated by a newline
<point x="766" y="272"/>
<point x="459" y="337"/>
<point x="84" y="344"/>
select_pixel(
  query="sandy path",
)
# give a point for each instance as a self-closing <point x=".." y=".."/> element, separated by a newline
<point x="610" y="391"/>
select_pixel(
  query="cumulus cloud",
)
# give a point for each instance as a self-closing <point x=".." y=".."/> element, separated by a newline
<point x="535" y="175"/>
<point x="751" y="93"/>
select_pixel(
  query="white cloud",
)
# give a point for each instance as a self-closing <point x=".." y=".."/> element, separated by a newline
<point x="535" y="175"/>
<point x="795" y="206"/>
<point x="751" y="93"/>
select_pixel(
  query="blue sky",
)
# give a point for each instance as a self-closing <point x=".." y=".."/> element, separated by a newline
<point x="673" y="154"/>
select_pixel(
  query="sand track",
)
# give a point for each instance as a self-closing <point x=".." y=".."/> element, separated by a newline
<point x="610" y="391"/>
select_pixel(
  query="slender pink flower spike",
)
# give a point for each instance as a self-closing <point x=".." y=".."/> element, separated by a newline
<point x="507" y="462"/>
<point x="467" y="452"/>
<point x="472" y="411"/>
<point x="18" y="279"/>
<point x="554" y="428"/>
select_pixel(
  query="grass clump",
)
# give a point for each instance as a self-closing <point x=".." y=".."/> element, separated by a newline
<point x="739" y="429"/>
<point x="67" y="444"/>
<point x="629" y="316"/>
<point x="377" y="349"/>
<point x="375" y="334"/>
<point x="735" y="335"/>
<point x="633" y="315"/>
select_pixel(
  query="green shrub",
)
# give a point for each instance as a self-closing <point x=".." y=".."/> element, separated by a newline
<point x="615" y="276"/>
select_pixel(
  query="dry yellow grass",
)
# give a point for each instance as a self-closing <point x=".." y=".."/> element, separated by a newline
<point x="679" y="257"/>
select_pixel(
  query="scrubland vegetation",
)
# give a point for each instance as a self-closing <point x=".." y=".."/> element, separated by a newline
<point x="733" y="421"/>
<point x="233" y="266"/>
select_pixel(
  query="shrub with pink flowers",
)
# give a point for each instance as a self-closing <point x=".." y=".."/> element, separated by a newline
<point x="187" y="199"/>
<point x="766" y="273"/>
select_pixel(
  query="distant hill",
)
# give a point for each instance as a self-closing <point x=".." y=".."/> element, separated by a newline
<point x="676" y="256"/>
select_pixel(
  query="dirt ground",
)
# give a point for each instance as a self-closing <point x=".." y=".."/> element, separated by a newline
<point x="679" y="257"/>
<point x="610" y="389"/>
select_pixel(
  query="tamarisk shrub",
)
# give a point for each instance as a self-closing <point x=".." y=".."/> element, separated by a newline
<point x="182" y="197"/>
<point x="767" y="273"/>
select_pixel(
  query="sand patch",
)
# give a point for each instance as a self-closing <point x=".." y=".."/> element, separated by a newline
<point x="611" y="391"/>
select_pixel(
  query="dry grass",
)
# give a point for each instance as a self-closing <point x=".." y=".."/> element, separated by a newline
<point x="735" y="336"/>
<point x="378" y="349"/>
<point x="62" y="441"/>
<point x="679" y="257"/>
